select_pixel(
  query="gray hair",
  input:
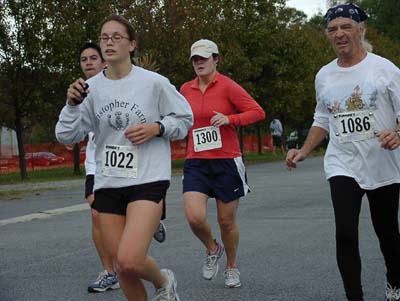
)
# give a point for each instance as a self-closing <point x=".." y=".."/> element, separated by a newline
<point x="364" y="42"/>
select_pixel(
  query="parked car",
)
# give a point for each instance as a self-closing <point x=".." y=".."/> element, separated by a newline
<point x="293" y="140"/>
<point x="43" y="159"/>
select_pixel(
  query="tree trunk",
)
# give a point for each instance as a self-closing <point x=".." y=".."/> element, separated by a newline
<point x="21" y="151"/>
<point x="77" y="170"/>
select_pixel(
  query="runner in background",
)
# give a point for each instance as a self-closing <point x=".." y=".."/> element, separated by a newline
<point x="277" y="135"/>
<point x="92" y="62"/>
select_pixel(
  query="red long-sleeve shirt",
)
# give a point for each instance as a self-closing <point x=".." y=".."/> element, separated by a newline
<point x="225" y="96"/>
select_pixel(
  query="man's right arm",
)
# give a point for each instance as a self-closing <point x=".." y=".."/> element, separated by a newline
<point x="315" y="136"/>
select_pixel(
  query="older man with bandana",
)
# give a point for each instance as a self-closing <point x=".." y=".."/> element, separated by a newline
<point x="358" y="101"/>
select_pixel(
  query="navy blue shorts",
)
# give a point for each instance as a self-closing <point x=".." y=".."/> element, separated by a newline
<point x="116" y="200"/>
<point x="223" y="179"/>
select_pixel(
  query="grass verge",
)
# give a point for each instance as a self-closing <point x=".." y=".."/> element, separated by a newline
<point x="43" y="175"/>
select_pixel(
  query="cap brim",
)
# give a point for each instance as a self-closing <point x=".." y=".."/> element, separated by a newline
<point x="204" y="54"/>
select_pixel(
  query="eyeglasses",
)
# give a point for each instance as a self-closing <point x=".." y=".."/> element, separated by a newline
<point x="116" y="38"/>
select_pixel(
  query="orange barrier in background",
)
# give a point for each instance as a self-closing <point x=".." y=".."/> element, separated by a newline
<point x="51" y="155"/>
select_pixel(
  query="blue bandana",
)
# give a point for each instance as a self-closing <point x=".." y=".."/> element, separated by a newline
<point x="349" y="10"/>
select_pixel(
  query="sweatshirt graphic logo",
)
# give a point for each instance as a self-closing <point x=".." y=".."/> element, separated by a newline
<point x="121" y="114"/>
<point x="117" y="123"/>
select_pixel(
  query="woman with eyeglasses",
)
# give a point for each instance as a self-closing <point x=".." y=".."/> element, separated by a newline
<point x="133" y="113"/>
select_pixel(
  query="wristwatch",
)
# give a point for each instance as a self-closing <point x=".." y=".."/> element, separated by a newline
<point x="397" y="132"/>
<point x="162" y="129"/>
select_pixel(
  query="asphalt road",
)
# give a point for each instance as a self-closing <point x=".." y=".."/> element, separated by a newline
<point x="286" y="245"/>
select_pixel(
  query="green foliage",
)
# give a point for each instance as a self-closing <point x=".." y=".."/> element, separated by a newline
<point x="261" y="45"/>
<point x="42" y="133"/>
<point x="384" y="46"/>
<point x="384" y="17"/>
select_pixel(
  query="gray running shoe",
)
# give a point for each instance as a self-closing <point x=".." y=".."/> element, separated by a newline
<point x="232" y="277"/>
<point x="392" y="293"/>
<point x="210" y="267"/>
<point x="161" y="233"/>
<point x="104" y="282"/>
<point x="167" y="293"/>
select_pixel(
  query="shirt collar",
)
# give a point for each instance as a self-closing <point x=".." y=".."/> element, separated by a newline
<point x="195" y="84"/>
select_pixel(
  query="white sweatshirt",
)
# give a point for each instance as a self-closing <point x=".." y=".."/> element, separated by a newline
<point x="352" y="103"/>
<point x="110" y="108"/>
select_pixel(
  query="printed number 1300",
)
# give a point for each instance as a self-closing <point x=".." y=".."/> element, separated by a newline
<point x="206" y="137"/>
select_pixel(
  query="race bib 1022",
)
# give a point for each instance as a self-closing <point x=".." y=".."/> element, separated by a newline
<point x="120" y="161"/>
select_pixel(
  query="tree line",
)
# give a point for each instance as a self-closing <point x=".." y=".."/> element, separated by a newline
<point x="272" y="50"/>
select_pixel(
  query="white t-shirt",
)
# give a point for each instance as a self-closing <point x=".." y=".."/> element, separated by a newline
<point x="90" y="162"/>
<point x="276" y="128"/>
<point x="352" y="103"/>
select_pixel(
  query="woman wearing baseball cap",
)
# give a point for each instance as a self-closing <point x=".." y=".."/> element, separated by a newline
<point x="214" y="166"/>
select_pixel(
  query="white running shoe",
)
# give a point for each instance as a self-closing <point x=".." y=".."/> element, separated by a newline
<point x="232" y="277"/>
<point x="104" y="282"/>
<point x="167" y="293"/>
<point x="392" y="293"/>
<point x="210" y="267"/>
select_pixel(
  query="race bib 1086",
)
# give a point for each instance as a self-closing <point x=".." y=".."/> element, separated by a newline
<point x="120" y="161"/>
<point x="355" y="125"/>
<point x="206" y="138"/>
